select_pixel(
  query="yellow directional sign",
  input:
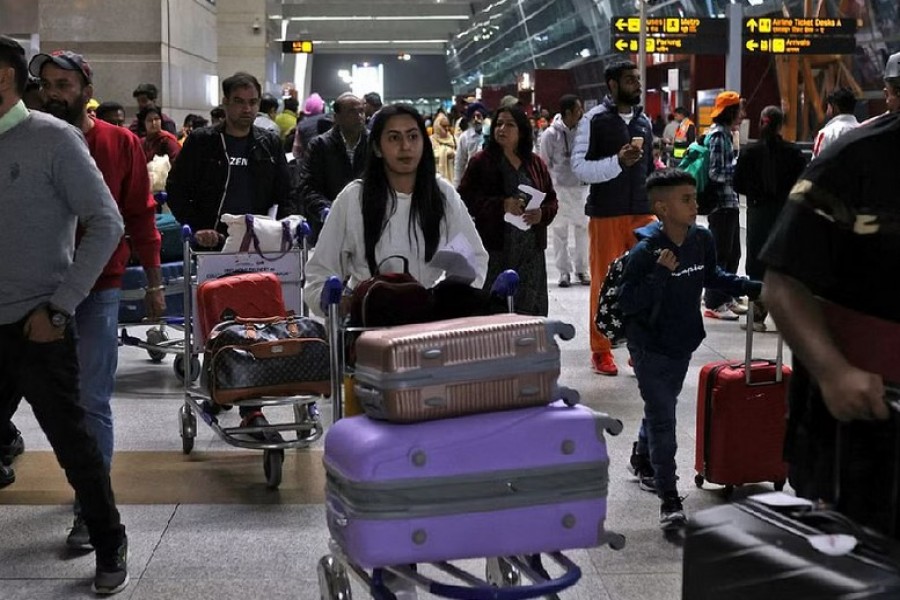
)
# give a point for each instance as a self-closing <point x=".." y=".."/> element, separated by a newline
<point x="799" y="45"/>
<point x="297" y="47"/>
<point x="799" y="26"/>
<point x="671" y="25"/>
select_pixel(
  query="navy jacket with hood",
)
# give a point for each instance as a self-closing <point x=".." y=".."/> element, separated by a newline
<point x="662" y="307"/>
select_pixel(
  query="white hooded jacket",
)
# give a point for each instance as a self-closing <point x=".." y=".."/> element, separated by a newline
<point x="557" y="143"/>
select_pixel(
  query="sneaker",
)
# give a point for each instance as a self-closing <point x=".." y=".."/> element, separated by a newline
<point x="8" y="452"/>
<point x="604" y="364"/>
<point x="738" y="308"/>
<point x="639" y="466"/>
<point x="79" y="537"/>
<point x="7" y="476"/>
<point x="564" y="280"/>
<point x="722" y="312"/>
<point x="111" y="576"/>
<point x="671" y="511"/>
<point x="758" y="326"/>
<point x="257" y="419"/>
<point x="583" y="278"/>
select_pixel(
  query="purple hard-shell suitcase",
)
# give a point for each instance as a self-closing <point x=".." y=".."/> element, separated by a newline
<point x="495" y="484"/>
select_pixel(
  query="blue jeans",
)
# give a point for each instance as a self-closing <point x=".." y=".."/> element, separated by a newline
<point x="660" y="379"/>
<point x="98" y="357"/>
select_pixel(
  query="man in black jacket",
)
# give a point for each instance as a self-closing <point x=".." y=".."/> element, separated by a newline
<point x="234" y="167"/>
<point x="333" y="160"/>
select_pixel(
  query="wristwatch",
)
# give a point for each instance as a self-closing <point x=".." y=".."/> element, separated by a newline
<point x="58" y="318"/>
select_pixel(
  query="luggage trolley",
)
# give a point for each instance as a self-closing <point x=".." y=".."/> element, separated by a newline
<point x="289" y="267"/>
<point x="503" y="576"/>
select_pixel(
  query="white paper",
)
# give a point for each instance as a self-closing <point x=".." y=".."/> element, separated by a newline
<point x="781" y="500"/>
<point x="535" y="198"/>
<point x="457" y="260"/>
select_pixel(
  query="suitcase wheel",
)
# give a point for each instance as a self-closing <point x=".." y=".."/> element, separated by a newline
<point x="188" y="428"/>
<point x="154" y="338"/>
<point x="698" y="480"/>
<point x="272" y="462"/>
<point x="333" y="581"/>
<point x="779" y="485"/>
<point x="728" y="491"/>
<point x="178" y="366"/>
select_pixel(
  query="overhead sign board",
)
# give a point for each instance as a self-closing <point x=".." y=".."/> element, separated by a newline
<point x="671" y="25"/>
<point x="671" y="45"/>
<point x="671" y="35"/>
<point x="297" y="47"/>
<point x="796" y="35"/>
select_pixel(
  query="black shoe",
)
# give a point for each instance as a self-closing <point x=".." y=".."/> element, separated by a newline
<point x="111" y="576"/>
<point x="8" y="452"/>
<point x="7" y="476"/>
<point x="671" y="511"/>
<point x="583" y="278"/>
<point x="79" y="537"/>
<point x="257" y="419"/>
<point x="640" y="466"/>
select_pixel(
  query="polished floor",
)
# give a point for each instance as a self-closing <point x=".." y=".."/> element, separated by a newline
<point x="205" y="525"/>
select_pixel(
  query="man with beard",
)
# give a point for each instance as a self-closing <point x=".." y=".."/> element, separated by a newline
<point x="471" y="140"/>
<point x="612" y="152"/>
<point x="66" y="87"/>
<point x="50" y="186"/>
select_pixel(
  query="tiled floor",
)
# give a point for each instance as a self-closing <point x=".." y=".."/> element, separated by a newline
<point x="205" y="526"/>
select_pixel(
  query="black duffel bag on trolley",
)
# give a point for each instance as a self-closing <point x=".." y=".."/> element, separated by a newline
<point x="280" y="356"/>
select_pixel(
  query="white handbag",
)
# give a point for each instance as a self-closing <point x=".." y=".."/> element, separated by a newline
<point x="259" y="233"/>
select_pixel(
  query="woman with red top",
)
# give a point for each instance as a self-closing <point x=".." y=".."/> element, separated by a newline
<point x="490" y="187"/>
<point x="158" y="141"/>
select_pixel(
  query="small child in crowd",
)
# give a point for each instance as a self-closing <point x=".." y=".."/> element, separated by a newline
<point x="664" y="278"/>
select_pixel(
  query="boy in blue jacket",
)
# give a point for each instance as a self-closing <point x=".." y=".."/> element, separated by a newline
<point x="664" y="278"/>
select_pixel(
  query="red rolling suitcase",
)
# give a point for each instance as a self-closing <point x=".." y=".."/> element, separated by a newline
<point x="246" y="295"/>
<point x="741" y="419"/>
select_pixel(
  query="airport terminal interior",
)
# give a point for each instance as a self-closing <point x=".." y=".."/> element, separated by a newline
<point x="208" y="524"/>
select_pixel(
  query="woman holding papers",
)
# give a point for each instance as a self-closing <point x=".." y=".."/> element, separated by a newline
<point x="398" y="208"/>
<point x="510" y="195"/>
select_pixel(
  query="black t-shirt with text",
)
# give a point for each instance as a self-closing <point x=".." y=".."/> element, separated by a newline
<point x="239" y="194"/>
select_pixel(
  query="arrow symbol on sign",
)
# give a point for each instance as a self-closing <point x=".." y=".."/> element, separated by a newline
<point x="621" y="45"/>
<point x="752" y="45"/>
<point x="751" y="25"/>
<point x="621" y="24"/>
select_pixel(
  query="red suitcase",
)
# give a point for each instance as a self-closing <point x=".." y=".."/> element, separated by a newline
<point x="741" y="418"/>
<point x="246" y="295"/>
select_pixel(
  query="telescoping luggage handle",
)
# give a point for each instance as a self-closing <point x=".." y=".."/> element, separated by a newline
<point x="748" y="354"/>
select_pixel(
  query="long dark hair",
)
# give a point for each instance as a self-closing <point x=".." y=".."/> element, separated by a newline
<point x="427" y="208"/>
<point x="526" y="135"/>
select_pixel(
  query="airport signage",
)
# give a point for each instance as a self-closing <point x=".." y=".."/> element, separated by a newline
<point x="671" y="35"/>
<point x="297" y="47"/>
<point x="796" y="35"/>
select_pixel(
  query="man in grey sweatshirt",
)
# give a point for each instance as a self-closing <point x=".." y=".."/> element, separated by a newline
<point x="49" y="185"/>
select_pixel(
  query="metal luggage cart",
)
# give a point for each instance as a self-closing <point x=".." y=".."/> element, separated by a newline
<point x="503" y="575"/>
<point x="289" y="266"/>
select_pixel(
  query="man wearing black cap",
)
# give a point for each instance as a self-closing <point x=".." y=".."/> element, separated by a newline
<point x="50" y="184"/>
<point x="146" y="94"/>
<point x="470" y="140"/>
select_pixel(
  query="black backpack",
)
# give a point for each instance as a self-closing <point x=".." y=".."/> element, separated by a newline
<point x="609" y="319"/>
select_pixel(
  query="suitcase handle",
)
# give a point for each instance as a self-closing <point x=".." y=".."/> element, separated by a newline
<point x="545" y="588"/>
<point x="748" y="353"/>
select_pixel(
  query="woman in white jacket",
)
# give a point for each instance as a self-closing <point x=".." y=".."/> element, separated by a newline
<point x="399" y="207"/>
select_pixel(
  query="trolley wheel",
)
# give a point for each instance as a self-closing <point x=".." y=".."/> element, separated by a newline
<point x="728" y="492"/>
<point x="188" y="428"/>
<point x="272" y="462"/>
<point x="333" y="581"/>
<point x="499" y="572"/>
<point x="698" y="480"/>
<point x="154" y="338"/>
<point x="178" y="366"/>
<point x="779" y="485"/>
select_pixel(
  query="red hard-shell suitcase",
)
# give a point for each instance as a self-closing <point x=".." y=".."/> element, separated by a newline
<point x="246" y="295"/>
<point x="741" y="419"/>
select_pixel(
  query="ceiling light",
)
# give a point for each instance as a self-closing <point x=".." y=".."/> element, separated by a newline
<point x="385" y="18"/>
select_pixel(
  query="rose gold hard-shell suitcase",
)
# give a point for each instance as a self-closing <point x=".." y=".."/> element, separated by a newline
<point x="460" y="366"/>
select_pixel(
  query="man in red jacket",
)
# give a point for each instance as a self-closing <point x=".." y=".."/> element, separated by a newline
<point x="66" y="88"/>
